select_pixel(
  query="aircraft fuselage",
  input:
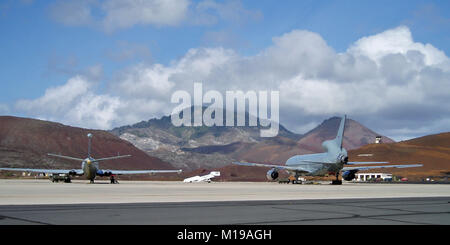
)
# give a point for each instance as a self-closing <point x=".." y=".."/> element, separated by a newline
<point x="90" y="168"/>
<point x="320" y="164"/>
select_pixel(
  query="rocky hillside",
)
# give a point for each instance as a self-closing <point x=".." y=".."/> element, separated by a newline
<point x="192" y="148"/>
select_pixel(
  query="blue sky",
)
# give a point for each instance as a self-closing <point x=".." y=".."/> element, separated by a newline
<point x="41" y="47"/>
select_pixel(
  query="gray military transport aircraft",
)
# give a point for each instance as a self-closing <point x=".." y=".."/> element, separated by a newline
<point x="89" y="168"/>
<point x="332" y="161"/>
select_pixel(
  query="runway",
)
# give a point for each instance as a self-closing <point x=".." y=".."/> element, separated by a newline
<point x="384" y="211"/>
<point x="167" y="203"/>
<point x="26" y="192"/>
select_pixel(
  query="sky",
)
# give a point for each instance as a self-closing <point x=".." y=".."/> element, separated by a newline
<point x="107" y="63"/>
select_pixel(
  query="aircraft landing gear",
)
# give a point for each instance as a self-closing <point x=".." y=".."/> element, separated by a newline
<point x="67" y="180"/>
<point x="337" y="181"/>
<point x="297" y="180"/>
<point x="113" y="180"/>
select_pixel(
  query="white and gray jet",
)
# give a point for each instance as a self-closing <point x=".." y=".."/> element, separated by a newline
<point x="89" y="168"/>
<point x="331" y="161"/>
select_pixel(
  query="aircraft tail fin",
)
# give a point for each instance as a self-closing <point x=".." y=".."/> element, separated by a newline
<point x="89" y="135"/>
<point x="340" y="135"/>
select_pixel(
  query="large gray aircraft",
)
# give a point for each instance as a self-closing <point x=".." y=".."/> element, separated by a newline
<point x="89" y="168"/>
<point x="332" y="161"/>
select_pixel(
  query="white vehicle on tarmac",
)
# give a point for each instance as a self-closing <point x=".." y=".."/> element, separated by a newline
<point x="204" y="178"/>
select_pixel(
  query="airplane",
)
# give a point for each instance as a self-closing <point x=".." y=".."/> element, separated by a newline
<point x="331" y="161"/>
<point x="204" y="178"/>
<point x="89" y="168"/>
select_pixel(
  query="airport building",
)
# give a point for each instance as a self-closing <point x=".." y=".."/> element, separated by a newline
<point x="360" y="177"/>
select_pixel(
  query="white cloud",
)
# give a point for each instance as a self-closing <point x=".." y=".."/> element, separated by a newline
<point x="143" y="81"/>
<point x="365" y="81"/>
<point x="396" y="41"/>
<point x="73" y="103"/>
<point x="385" y="81"/>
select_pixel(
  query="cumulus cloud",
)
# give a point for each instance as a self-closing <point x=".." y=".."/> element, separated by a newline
<point x="73" y="103"/>
<point x="396" y="41"/>
<point x="378" y="75"/>
<point x="386" y="81"/>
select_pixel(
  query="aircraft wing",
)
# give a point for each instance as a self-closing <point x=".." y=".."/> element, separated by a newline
<point x="111" y="158"/>
<point x="383" y="166"/>
<point x="65" y="157"/>
<point x="50" y="171"/>
<point x="289" y="168"/>
<point x="361" y="163"/>
<point x="119" y="172"/>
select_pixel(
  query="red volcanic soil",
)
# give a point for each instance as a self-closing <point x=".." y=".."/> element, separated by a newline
<point x="25" y="143"/>
<point x="433" y="151"/>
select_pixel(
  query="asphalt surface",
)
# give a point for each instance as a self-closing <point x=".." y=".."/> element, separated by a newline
<point x="177" y="203"/>
<point x="377" y="211"/>
<point x="33" y="192"/>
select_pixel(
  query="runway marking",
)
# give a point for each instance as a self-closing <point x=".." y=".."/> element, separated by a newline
<point x="351" y="217"/>
<point x="21" y="219"/>
<point x="407" y="222"/>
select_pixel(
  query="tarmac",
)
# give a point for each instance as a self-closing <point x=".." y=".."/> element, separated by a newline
<point x="158" y="202"/>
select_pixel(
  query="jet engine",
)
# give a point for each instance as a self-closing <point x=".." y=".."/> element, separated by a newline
<point x="272" y="174"/>
<point x="342" y="158"/>
<point x="349" y="175"/>
<point x="104" y="173"/>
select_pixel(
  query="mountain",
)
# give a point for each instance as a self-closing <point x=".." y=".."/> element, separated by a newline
<point x="355" y="135"/>
<point x="192" y="148"/>
<point x="157" y="133"/>
<point x="25" y="142"/>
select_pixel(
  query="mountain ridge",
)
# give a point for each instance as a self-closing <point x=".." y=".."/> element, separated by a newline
<point x="190" y="148"/>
